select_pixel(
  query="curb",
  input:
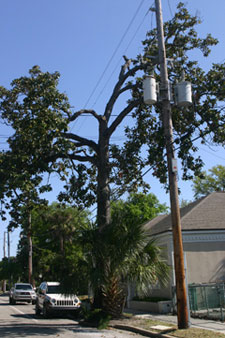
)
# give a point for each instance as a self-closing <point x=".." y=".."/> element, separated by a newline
<point x="143" y="332"/>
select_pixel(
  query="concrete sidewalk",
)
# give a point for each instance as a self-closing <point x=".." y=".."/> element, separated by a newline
<point x="206" y="324"/>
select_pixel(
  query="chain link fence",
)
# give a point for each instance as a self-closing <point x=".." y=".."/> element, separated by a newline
<point x="207" y="300"/>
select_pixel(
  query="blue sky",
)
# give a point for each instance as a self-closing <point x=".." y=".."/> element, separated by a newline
<point x="84" y="40"/>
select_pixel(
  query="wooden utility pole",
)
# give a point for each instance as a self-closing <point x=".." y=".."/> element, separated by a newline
<point x="4" y="250"/>
<point x="8" y="242"/>
<point x="30" y="249"/>
<point x="181" y="292"/>
<point x="4" y="241"/>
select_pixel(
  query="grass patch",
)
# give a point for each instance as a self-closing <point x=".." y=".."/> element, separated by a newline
<point x="173" y="331"/>
<point x="84" y="297"/>
<point x="196" y="333"/>
<point x="95" y="318"/>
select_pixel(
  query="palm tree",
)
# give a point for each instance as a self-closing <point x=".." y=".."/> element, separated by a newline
<point x="123" y="253"/>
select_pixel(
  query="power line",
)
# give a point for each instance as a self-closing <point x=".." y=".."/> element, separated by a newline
<point x="171" y="13"/>
<point x="222" y="61"/>
<point x="211" y="153"/>
<point x="120" y="58"/>
<point x="110" y="60"/>
<point x="115" y="51"/>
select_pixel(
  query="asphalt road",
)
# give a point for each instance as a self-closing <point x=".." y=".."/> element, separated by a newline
<point x="20" y="321"/>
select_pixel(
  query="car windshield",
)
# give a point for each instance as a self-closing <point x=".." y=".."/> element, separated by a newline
<point x="54" y="289"/>
<point x="23" y="287"/>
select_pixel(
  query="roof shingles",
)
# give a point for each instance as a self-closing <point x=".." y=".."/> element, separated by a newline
<point x="207" y="213"/>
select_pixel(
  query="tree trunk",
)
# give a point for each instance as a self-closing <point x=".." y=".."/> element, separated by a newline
<point x="103" y="200"/>
<point x="103" y="192"/>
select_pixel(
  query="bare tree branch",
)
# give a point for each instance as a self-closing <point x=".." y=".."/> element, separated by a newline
<point x="124" y="89"/>
<point x="71" y="157"/>
<point x="123" y="76"/>
<point x="82" y="141"/>
<point x="83" y="111"/>
<point x="80" y="158"/>
<point x="121" y="116"/>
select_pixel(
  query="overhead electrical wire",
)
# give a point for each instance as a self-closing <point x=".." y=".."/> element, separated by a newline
<point x="212" y="154"/>
<point x="118" y="63"/>
<point x="115" y="51"/>
<point x="171" y="13"/>
<point x="111" y="58"/>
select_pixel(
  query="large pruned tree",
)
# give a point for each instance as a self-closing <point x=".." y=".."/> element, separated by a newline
<point x="41" y="116"/>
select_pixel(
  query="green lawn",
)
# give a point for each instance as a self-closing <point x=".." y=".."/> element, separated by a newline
<point x="173" y="331"/>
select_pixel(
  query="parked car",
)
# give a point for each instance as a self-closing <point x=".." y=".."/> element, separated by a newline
<point x="22" y="292"/>
<point x="51" y="299"/>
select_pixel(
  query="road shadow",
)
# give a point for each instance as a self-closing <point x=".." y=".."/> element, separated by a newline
<point x="6" y="294"/>
<point x="24" y="315"/>
<point x="28" y="330"/>
<point x="41" y="318"/>
<point x="17" y="303"/>
<point x="20" y="304"/>
<point x="32" y="330"/>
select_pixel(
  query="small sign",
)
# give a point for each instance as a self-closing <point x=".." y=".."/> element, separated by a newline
<point x="174" y="165"/>
<point x="161" y="327"/>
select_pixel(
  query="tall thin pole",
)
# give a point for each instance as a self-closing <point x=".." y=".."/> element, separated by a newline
<point x="30" y="249"/>
<point x="4" y="254"/>
<point x="8" y="242"/>
<point x="181" y="292"/>
<point x="4" y="241"/>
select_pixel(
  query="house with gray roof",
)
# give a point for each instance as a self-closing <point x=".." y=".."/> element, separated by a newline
<point x="203" y="234"/>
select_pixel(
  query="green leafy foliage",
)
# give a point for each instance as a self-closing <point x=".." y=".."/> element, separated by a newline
<point x="34" y="108"/>
<point x="10" y="269"/>
<point x="138" y="208"/>
<point x="96" y="318"/>
<point x="56" y="246"/>
<point x="208" y="183"/>
<point x="196" y="122"/>
<point x="123" y="252"/>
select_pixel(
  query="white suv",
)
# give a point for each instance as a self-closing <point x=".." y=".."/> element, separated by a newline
<point x="51" y="299"/>
<point x="22" y="292"/>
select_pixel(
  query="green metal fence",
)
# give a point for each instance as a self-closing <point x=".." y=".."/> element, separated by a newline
<point x="207" y="300"/>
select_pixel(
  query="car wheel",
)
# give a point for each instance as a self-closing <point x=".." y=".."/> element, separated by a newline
<point x="37" y="310"/>
<point x="10" y="300"/>
<point x="33" y="302"/>
<point x="13" y="301"/>
<point x="45" y="311"/>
